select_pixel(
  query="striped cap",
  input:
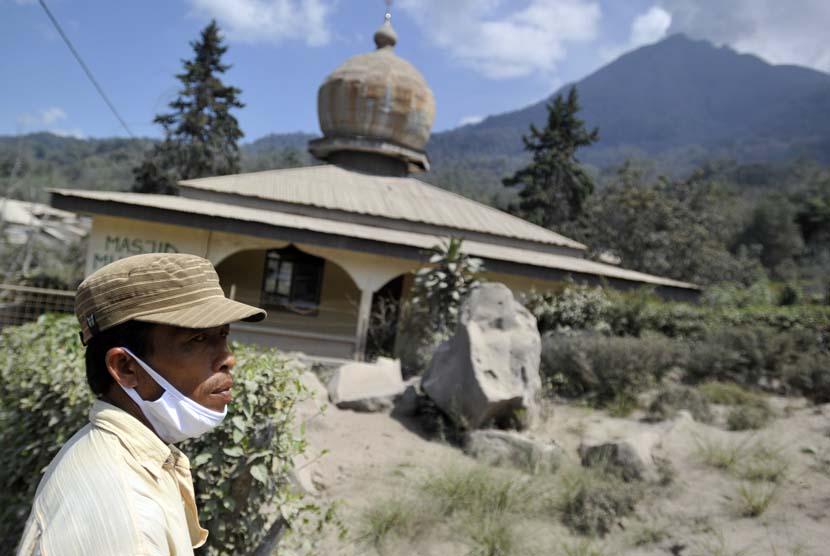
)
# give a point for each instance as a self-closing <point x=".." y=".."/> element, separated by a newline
<point x="164" y="288"/>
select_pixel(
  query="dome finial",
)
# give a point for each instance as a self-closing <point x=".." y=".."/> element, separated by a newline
<point x="386" y="36"/>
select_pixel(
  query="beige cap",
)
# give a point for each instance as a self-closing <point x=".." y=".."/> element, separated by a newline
<point x="165" y="288"/>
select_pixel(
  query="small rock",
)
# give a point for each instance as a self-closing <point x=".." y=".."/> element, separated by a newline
<point x="632" y="456"/>
<point x="366" y="387"/>
<point x="497" y="447"/>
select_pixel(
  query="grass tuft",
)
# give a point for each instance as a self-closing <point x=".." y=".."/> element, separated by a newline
<point x="493" y="537"/>
<point x="392" y="517"/>
<point x="479" y="492"/>
<point x="753" y="499"/>
<point x="764" y="464"/>
<point x="721" y="455"/>
<point x="583" y="547"/>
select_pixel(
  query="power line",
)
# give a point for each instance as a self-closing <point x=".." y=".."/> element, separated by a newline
<point x="85" y="68"/>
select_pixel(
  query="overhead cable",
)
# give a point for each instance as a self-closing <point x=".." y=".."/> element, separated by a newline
<point x="85" y="68"/>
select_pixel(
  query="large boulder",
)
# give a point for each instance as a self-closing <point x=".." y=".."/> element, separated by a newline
<point x="368" y="387"/>
<point x="488" y="371"/>
<point x="496" y="447"/>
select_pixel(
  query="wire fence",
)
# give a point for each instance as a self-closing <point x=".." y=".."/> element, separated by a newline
<point x="22" y="304"/>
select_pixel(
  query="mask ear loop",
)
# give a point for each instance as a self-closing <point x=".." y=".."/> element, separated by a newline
<point x="172" y="390"/>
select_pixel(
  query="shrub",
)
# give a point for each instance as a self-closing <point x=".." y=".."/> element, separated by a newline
<point x="574" y="308"/>
<point x="606" y="368"/>
<point x="592" y="502"/>
<point x="750" y="410"/>
<point x="750" y="356"/>
<point x="676" y="397"/>
<point x="240" y="468"/>
<point x="438" y="291"/>
<point x="737" y="295"/>
<point x="810" y="376"/>
<point x="44" y="399"/>
<point x="749" y="417"/>
<point x="632" y="314"/>
<point x="790" y="294"/>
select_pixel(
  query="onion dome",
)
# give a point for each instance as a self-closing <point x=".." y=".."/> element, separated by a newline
<point x="376" y="104"/>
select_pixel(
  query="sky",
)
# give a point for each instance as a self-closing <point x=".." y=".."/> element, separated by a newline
<point x="480" y="57"/>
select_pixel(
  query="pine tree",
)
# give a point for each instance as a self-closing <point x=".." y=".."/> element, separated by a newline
<point x="554" y="185"/>
<point x="200" y="133"/>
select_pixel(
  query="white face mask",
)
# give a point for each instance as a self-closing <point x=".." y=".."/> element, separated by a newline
<point x="174" y="416"/>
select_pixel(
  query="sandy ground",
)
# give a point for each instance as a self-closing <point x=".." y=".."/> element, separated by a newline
<point x="376" y="456"/>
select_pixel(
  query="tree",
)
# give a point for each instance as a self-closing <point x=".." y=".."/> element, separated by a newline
<point x="773" y="227"/>
<point x="680" y="229"/>
<point x="554" y="185"/>
<point x="200" y="133"/>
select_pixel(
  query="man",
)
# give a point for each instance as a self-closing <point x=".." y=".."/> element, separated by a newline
<point x="155" y="329"/>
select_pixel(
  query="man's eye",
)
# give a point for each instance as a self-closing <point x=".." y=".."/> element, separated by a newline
<point x="199" y="338"/>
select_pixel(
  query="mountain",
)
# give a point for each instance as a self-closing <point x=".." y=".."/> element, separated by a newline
<point x="679" y="102"/>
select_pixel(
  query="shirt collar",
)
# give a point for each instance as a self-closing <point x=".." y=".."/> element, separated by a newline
<point x="154" y="455"/>
<point x="139" y="440"/>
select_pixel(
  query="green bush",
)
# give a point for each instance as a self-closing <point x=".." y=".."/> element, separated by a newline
<point x="810" y="376"/>
<point x="438" y="292"/>
<point x="44" y="399"/>
<point x="592" y="502"/>
<point x="752" y="356"/>
<point x="606" y="368"/>
<point x="677" y="397"/>
<point x="240" y="468"/>
<point x="749" y="417"/>
<point x="573" y="308"/>
<point x="634" y="313"/>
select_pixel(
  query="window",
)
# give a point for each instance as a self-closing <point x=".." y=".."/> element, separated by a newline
<point x="292" y="281"/>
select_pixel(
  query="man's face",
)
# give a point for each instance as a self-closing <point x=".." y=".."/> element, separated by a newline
<point x="197" y="362"/>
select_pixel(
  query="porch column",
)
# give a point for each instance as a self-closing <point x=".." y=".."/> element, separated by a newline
<point x="364" y="314"/>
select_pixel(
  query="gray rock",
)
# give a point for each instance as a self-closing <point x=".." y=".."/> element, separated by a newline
<point x="631" y="457"/>
<point x="488" y="372"/>
<point x="367" y="387"/>
<point x="497" y="447"/>
<point x="407" y="403"/>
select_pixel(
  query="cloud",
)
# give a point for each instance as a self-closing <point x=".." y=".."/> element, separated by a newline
<point x="271" y="21"/>
<point x="470" y="120"/>
<point x="500" y="40"/>
<point x="647" y="28"/>
<point x="43" y="117"/>
<point x="792" y="32"/>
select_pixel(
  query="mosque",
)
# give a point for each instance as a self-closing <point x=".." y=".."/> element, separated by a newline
<point x="318" y="246"/>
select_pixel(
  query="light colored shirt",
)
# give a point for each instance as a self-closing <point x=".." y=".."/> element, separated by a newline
<point x="114" y="489"/>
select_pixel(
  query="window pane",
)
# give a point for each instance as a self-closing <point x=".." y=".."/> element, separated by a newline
<point x="284" y="284"/>
<point x="306" y="285"/>
<point x="272" y="266"/>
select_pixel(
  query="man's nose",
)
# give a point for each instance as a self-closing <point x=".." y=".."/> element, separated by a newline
<point x="226" y="360"/>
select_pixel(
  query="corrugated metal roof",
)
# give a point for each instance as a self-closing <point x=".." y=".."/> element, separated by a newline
<point x="363" y="231"/>
<point x="331" y="187"/>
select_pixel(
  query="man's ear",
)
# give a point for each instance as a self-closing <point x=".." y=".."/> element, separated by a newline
<point x="121" y="367"/>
